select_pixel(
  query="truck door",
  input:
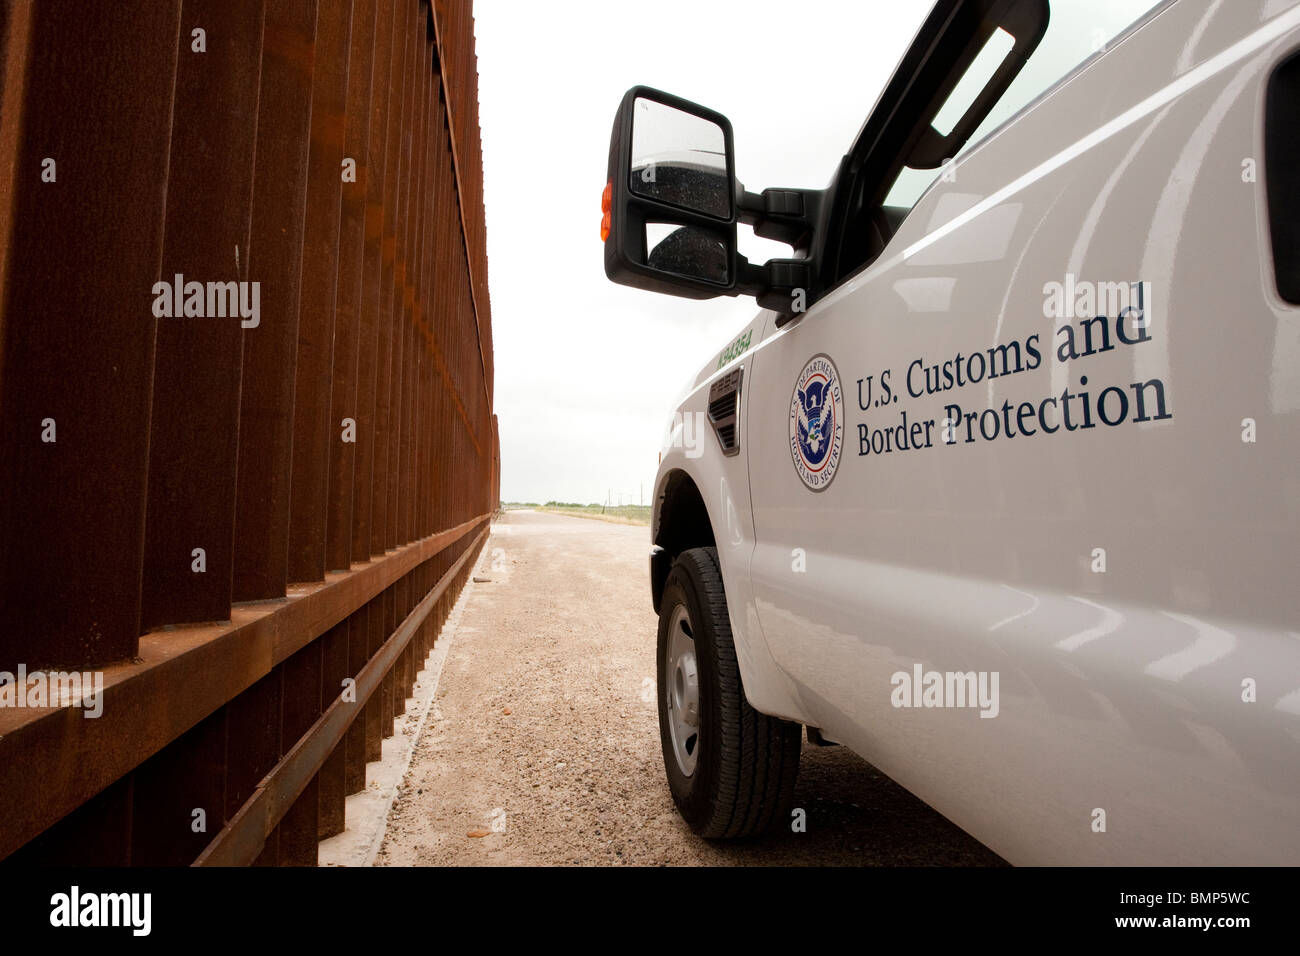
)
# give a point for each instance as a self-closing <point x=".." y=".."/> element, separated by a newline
<point x="1020" y="443"/>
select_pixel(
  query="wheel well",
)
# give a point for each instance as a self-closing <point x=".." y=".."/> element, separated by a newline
<point x="683" y="523"/>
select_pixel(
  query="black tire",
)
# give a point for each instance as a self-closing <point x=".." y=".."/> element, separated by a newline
<point x="742" y="782"/>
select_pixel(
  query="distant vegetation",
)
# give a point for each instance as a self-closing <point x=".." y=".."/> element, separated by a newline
<point x="622" y="514"/>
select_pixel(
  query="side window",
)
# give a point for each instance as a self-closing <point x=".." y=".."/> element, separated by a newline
<point x="1076" y="31"/>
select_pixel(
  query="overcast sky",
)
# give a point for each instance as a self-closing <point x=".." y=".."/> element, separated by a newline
<point x="587" y="372"/>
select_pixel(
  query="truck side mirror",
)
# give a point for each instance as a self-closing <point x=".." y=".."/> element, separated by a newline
<point x="670" y="201"/>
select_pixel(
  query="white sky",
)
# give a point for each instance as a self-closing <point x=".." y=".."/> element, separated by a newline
<point x="587" y="372"/>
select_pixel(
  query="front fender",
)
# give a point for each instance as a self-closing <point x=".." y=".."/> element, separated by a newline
<point x="694" y="454"/>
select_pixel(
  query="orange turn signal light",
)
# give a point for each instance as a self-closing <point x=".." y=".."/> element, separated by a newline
<point x="606" y="204"/>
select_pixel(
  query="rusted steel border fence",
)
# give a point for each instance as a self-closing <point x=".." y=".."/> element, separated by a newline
<point x="247" y="449"/>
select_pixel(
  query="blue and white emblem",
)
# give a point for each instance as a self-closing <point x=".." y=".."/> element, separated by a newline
<point x="817" y="422"/>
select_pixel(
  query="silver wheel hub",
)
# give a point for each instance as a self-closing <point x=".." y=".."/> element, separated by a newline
<point x="683" y="691"/>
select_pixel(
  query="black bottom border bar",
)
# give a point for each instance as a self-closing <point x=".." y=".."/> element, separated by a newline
<point x="589" y="903"/>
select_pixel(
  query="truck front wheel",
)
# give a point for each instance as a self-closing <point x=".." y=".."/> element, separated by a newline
<point x="731" y="770"/>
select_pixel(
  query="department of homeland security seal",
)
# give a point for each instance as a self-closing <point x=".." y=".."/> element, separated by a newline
<point x="817" y="422"/>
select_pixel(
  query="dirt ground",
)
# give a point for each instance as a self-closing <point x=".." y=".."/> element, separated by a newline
<point x="543" y="743"/>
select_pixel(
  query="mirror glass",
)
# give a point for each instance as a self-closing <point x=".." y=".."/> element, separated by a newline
<point x="679" y="158"/>
<point x="686" y="251"/>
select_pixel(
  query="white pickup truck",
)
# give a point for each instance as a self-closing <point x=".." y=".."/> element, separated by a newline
<point x="1000" y="487"/>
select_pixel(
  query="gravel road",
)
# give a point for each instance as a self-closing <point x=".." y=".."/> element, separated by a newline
<point x="543" y="743"/>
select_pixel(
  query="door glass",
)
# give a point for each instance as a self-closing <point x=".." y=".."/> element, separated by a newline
<point x="1077" y="30"/>
<point x="975" y="78"/>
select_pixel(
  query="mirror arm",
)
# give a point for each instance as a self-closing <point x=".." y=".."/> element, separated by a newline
<point x="781" y="285"/>
<point x="749" y="206"/>
<point x="784" y="286"/>
<point x="751" y="279"/>
<point x="784" y="215"/>
<point x="788" y="287"/>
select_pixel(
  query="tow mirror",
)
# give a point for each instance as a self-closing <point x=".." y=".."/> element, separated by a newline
<point x="672" y="202"/>
<point x="670" y="218"/>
